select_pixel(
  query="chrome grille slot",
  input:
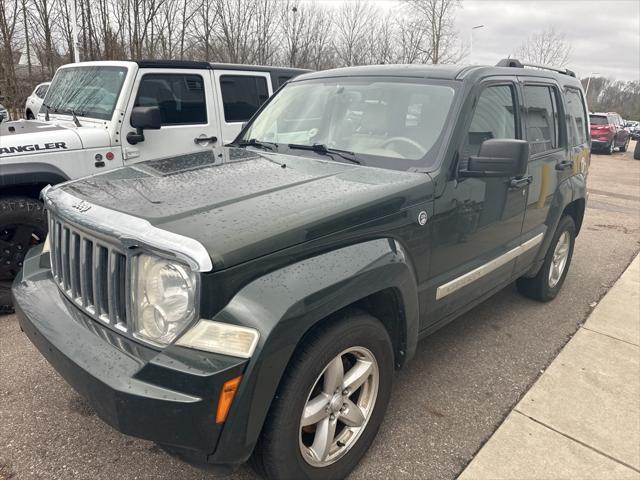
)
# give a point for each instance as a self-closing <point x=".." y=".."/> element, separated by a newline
<point x="64" y="254"/>
<point x="74" y="265"/>
<point x="86" y="272"/>
<point x="90" y="272"/>
<point x="101" y="272"/>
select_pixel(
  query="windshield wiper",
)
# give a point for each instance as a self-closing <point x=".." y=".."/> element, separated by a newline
<point x="74" y="116"/>
<point x="252" y="142"/>
<point x="323" y="150"/>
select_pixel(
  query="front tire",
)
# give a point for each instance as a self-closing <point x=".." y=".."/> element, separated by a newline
<point x="330" y="403"/>
<point x="30" y="115"/>
<point x="636" y="151"/>
<point x="23" y="224"/>
<point x="546" y="285"/>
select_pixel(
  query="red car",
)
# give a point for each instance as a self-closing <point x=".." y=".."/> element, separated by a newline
<point x="608" y="132"/>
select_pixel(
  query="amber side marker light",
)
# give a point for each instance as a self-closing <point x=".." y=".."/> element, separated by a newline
<point x="227" y="395"/>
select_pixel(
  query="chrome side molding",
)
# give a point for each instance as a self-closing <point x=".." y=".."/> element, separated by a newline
<point x="126" y="229"/>
<point x="477" y="273"/>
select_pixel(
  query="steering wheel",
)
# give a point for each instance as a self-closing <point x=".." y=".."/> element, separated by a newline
<point x="407" y="141"/>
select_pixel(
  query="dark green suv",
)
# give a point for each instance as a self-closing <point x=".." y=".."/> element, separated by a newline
<point x="254" y="301"/>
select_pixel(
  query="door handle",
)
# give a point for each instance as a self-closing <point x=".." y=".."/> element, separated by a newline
<point x="516" y="183"/>
<point x="564" y="165"/>
<point x="199" y="140"/>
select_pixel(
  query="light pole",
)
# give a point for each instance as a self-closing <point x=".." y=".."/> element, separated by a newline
<point x="586" y="91"/>
<point x="471" y="41"/>
<point x="74" y="31"/>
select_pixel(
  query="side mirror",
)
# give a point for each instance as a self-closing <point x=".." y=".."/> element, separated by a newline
<point x="143" y="118"/>
<point x="499" y="158"/>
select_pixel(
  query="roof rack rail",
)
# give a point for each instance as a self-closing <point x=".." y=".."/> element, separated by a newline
<point x="515" y="63"/>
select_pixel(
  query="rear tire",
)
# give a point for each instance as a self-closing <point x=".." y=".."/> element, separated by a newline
<point x="611" y="147"/>
<point x="636" y="151"/>
<point x="23" y="224"/>
<point x="30" y="115"/>
<point x="286" y="449"/>
<point x="624" y="147"/>
<point x="547" y="283"/>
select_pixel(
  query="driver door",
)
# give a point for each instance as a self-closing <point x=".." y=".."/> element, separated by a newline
<point x="187" y="110"/>
<point x="477" y="222"/>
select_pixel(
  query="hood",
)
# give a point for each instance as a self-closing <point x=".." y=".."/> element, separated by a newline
<point x="244" y="204"/>
<point x="31" y="137"/>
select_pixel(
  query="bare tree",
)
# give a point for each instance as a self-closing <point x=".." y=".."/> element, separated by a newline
<point x="305" y="33"/>
<point x="412" y="41"/>
<point x="44" y="18"/>
<point x="354" y="19"/>
<point x="549" y="47"/>
<point x="436" y="17"/>
<point x="8" y="21"/>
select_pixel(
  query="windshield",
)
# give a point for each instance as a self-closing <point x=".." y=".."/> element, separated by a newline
<point x="87" y="91"/>
<point x="387" y="122"/>
<point x="598" y="120"/>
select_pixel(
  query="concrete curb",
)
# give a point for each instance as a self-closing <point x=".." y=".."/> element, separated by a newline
<point x="581" y="419"/>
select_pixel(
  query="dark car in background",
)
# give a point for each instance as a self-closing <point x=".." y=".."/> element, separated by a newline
<point x="608" y="132"/>
<point x="634" y="129"/>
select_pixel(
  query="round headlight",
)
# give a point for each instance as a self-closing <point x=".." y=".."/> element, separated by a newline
<point x="163" y="299"/>
<point x="169" y="287"/>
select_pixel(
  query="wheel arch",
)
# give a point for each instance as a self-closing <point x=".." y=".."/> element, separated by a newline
<point x="27" y="180"/>
<point x="575" y="210"/>
<point x="570" y="199"/>
<point x="288" y="305"/>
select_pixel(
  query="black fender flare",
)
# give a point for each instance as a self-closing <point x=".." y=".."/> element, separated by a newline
<point x="22" y="174"/>
<point x="285" y="304"/>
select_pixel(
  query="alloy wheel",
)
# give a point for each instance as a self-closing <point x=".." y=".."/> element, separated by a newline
<point x="559" y="259"/>
<point x="339" y="406"/>
<point x="15" y="241"/>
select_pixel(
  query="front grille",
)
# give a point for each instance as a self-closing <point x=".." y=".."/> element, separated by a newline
<point x="90" y="272"/>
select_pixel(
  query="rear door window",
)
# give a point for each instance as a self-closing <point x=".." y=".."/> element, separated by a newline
<point x="180" y="97"/>
<point x="242" y="96"/>
<point x="541" y="118"/>
<point x="576" y="118"/>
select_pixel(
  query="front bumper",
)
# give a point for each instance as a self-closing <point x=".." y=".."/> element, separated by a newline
<point x="169" y="396"/>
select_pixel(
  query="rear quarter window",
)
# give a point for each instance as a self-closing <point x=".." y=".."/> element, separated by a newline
<point x="242" y="96"/>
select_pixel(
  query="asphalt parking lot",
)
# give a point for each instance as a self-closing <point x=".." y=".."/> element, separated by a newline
<point x="446" y="403"/>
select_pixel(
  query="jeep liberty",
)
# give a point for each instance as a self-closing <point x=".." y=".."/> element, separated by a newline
<point x="253" y="301"/>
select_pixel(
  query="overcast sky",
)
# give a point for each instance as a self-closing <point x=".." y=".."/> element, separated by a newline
<point x="604" y="34"/>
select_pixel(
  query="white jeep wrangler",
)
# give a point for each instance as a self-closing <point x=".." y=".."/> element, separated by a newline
<point x="97" y="116"/>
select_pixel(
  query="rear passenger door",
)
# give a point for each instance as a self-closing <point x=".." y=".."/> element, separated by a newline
<point x="240" y="94"/>
<point x="548" y="153"/>
<point x="577" y="132"/>
<point x="189" y="122"/>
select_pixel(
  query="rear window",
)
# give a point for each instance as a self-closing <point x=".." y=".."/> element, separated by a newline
<point x="242" y="96"/>
<point x="542" y="118"/>
<point x="598" y="120"/>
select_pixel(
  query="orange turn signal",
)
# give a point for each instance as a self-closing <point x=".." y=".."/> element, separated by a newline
<point x="227" y="395"/>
